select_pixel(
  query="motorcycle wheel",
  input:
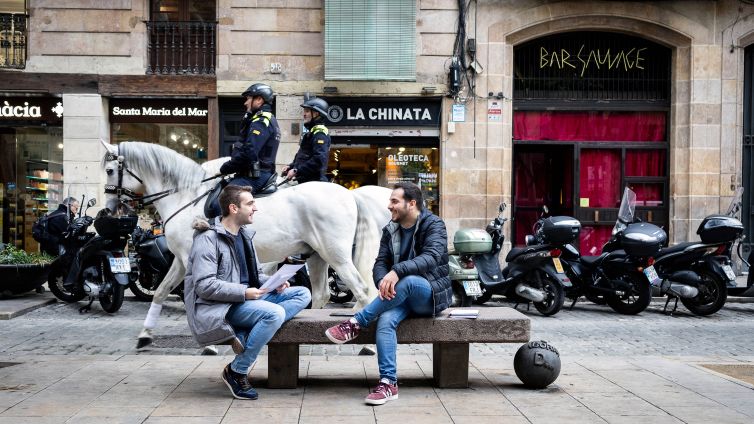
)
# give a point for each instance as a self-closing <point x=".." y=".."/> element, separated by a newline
<point x="333" y="285"/>
<point x="55" y="283"/>
<point x="460" y="299"/>
<point x="712" y="295"/>
<point x="634" y="302"/>
<point x="112" y="301"/>
<point x="142" y="292"/>
<point x="555" y="297"/>
<point x="485" y="297"/>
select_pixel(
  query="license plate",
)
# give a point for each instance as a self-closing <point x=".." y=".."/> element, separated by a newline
<point x="558" y="265"/>
<point x="652" y="276"/>
<point x="472" y="288"/>
<point x="729" y="272"/>
<point x="120" y="265"/>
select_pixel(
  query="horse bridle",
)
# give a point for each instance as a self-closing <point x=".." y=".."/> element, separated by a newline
<point x="141" y="200"/>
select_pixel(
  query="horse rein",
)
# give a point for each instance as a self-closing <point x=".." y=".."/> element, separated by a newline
<point x="141" y="200"/>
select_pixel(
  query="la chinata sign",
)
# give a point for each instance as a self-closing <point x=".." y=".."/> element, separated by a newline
<point x="396" y="112"/>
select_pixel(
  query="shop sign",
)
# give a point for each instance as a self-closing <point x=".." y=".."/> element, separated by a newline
<point x="40" y="109"/>
<point x="182" y="111"/>
<point x="395" y="112"/>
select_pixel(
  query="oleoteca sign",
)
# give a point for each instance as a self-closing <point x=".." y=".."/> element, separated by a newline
<point x="41" y="109"/>
<point x="158" y="111"/>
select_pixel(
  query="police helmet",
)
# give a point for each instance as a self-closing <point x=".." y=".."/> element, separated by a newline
<point x="315" y="103"/>
<point x="259" y="89"/>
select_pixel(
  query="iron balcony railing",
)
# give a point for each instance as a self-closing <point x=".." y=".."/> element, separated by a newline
<point x="181" y="47"/>
<point x="13" y="40"/>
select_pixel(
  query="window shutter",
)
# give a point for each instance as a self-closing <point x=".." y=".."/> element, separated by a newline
<point x="370" y="40"/>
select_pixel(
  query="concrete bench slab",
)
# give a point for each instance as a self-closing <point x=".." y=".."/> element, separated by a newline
<point x="450" y="338"/>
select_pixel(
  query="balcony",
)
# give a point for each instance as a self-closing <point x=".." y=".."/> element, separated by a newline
<point x="13" y="40"/>
<point x="181" y="48"/>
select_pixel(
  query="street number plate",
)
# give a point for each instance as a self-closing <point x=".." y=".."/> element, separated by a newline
<point x="558" y="265"/>
<point x="120" y="265"/>
<point x="652" y="276"/>
<point x="472" y="288"/>
<point x="729" y="272"/>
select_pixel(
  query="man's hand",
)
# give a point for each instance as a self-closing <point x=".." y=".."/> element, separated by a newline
<point x="283" y="287"/>
<point x="291" y="174"/>
<point x="284" y="172"/>
<point x="253" y="293"/>
<point x="387" y="286"/>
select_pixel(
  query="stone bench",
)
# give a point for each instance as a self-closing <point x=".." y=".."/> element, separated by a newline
<point x="450" y="338"/>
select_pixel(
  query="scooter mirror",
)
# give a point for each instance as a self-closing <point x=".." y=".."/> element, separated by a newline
<point x="530" y="240"/>
<point x="545" y="209"/>
<point x="91" y="202"/>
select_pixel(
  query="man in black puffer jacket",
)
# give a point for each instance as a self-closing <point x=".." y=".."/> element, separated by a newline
<point x="411" y="272"/>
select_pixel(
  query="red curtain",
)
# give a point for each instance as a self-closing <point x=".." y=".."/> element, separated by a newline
<point x="593" y="238"/>
<point x="589" y="126"/>
<point x="600" y="177"/>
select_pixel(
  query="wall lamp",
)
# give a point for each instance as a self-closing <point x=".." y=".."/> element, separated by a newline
<point x="429" y="90"/>
<point x="330" y="90"/>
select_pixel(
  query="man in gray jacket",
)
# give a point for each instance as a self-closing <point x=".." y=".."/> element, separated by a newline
<point x="224" y="302"/>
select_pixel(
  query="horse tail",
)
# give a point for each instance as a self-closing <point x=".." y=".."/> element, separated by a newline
<point x="367" y="237"/>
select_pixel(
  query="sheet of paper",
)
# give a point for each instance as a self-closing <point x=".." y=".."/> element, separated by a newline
<point x="280" y="277"/>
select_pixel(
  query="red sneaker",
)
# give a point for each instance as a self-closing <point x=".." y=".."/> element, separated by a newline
<point x="343" y="332"/>
<point x="384" y="392"/>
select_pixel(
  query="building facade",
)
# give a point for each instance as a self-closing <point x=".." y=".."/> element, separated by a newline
<point x="528" y="102"/>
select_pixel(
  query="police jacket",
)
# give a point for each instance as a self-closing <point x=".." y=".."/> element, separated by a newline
<point x="260" y="138"/>
<point x="428" y="257"/>
<point x="311" y="160"/>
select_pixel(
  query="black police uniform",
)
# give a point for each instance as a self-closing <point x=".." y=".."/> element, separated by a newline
<point x="260" y="139"/>
<point x="310" y="162"/>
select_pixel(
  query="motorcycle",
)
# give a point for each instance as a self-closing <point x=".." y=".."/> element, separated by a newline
<point x="615" y="276"/>
<point x="100" y="267"/>
<point x="699" y="273"/>
<point x="74" y="238"/>
<point x="474" y="262"/>
<point x="150" y="261"/>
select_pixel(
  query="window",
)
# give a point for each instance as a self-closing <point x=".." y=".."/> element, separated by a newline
<point x="13" y="25"/>
<point x="370" y="40"/>
<point x="182" y="37"/>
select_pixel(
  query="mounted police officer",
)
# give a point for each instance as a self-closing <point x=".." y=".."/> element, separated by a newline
<point x="310" y="163"/>
<point x="253" y="158"/>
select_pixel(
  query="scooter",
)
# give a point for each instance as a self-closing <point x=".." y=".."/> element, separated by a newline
<point x="474" y="261"/>
<point x="150" y="261"/>
<point x="615" y="276"/>
<point x="700" y="273"/>
<point x="101" y="268"/>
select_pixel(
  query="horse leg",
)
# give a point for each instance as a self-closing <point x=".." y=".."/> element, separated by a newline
<point x="318" y="276"/>
<point x="350" y="275"/>
<point x="172" y="279"/>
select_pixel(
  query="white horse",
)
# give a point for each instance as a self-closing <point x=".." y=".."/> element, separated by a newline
<point x="320" y="219"/>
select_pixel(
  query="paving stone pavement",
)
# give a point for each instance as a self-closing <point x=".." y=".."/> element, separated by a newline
<point x="73" y="367"/>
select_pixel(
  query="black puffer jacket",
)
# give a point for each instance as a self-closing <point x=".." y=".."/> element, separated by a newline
<point x="428" y="257"/>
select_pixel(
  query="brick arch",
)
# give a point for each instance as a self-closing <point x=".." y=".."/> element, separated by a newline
<point x="525" y="27"/>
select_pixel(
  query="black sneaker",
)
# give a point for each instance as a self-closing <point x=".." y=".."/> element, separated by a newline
<point x="238" y="384"/>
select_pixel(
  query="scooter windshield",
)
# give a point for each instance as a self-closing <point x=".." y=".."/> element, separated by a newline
<point x="735" y="203"/>
<point x="626" y="211"/>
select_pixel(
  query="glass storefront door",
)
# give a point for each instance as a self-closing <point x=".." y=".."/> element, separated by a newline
<point x="31" y="169"/>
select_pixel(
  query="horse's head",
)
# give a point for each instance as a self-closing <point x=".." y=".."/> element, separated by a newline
<point x="121" y="182"/>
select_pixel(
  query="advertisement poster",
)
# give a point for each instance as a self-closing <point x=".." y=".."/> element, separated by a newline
<point x="419" y="165"/>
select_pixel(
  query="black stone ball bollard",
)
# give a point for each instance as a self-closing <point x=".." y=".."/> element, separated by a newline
<point x="537" y="364"/>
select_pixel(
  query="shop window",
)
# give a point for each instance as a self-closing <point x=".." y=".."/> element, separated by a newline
<point x="186" y="139"/>
<point x="589" y="126"/>
<point x="355" y="166"/>
<point x="600" y="186"/>
<point x="31" y="169"/>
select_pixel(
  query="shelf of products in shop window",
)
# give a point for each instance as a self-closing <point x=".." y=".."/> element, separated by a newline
<point x="36" y="188"/>
<point x="39" y="199"/>
<point x="43" y="179"/>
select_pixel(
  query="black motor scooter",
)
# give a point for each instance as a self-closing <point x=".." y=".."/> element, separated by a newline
<point x="101" y="268"/>
<point x="150" y="261"/>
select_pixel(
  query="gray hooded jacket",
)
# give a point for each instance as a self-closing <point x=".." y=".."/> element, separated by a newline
<point x="212" y="281"/>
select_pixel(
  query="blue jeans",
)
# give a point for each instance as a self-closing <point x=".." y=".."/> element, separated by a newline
<point x="413" y="296"/>
<point x="256" y="321"/>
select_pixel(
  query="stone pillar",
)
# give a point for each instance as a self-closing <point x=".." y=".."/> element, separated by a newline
<point x="85" y="122"/>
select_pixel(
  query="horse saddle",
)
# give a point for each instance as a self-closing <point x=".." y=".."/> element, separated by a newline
<point x="212" y="204"/>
